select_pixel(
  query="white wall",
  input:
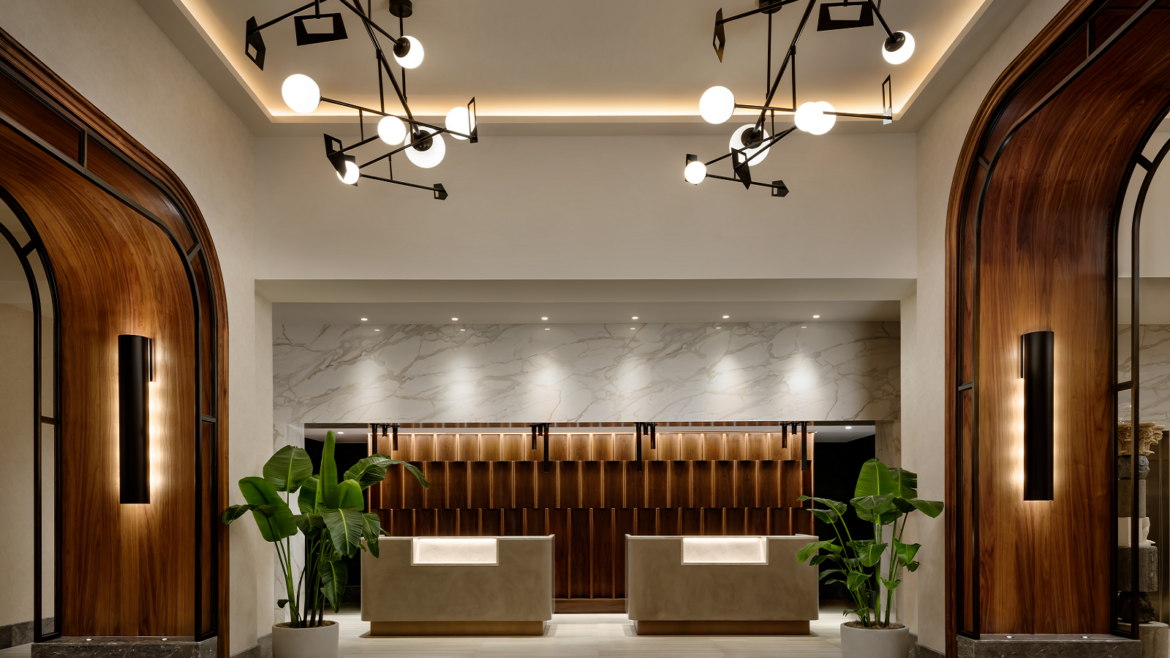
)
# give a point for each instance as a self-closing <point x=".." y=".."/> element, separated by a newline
<point x="16" y="465"/>
<point x="939" y="142"/>
<point x="114" y="54"/>
<point x="591" y="208"/>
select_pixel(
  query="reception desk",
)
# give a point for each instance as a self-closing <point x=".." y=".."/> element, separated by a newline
<point x="458" y="586"/>
<point x="720" y="585"/>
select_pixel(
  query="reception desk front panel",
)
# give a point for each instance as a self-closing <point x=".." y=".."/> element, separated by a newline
<point x="726" y="585"/>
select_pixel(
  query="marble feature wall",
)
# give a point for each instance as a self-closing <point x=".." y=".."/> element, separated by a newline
<point x="584" y="373"/>
<point x="1154" y="387"/>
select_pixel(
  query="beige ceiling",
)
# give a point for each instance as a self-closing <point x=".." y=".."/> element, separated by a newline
<point x="595" y="61"/>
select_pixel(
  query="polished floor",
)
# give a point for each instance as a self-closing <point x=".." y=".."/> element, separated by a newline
<point x="580" y="636"/>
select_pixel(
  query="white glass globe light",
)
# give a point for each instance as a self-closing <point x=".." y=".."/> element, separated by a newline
<point x="352" y="173"/>
<point x="811" y="118"/>
<point x="694" y="173"/>
<point x="412" y="58"/>
<point x="717" y="105"/>
<point x="392" y="130"/>
<point x="737" y="143"/>
<point x="901" y="54"/>
<point x="459" y="121"/>
<point x="300" y="93"/>
<point x="430" y="157"/>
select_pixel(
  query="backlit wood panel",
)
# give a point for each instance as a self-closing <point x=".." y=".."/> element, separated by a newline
<point x="657" y="476"/>
<point x="724" y="484"/>
<point x="558" y="526"/>
<point x="479" y="486"/>
<point x="591" y="484"/>
<point x="647" y="522"/>
<point x="746" y="483"/>
<point x="391" y="488"/>
<point x="435" y="497"/>
<point x="714" y="447"/>
<point x="669" y="445"/>
<point x="668" y="522"/>
<point x="491" y="522"/>
<point x="736" y="447"/>
<point x="515" y="448"/>
<point x="580" y="447"/>
<point x="713" y="521"/>
<point x="468" y="522"/>
<point x="702" y="475"/>
<point x="580" y="554"/>
<point x="569" y="484"/>
<point x="614" y="480"/>
<point x="546" y="485"/>
<point x="524" y="477"/>
<point x="491" y="448"/>
<point x="422" y="448"/>
<point x="623" y="524"/>
<point x="558" y="447"/>
<point x="691" y="447"/>
<point x="503" y="487"/>
<point x="601" y="554"/>
<point x="468" y="448"/>
<point x="513" y="523"/>
<point x="680" y="484"/>
<point x="414" y="497"/>
<point x="735" y="521"/>
<point x="769" y="484"/>
<point x="635" y="484"/>
<point x="457" y="484"/>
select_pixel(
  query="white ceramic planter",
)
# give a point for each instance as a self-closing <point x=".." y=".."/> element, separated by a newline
<point x="320" y="642"/>
<point x="875" y="642"/>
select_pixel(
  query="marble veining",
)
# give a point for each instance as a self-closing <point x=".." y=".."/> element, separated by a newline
<point x="1154" y="387"/>
<point x="585" y="373"/>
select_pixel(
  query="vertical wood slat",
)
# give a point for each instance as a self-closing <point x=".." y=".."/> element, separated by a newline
<point x="558" y="448"/>
<point x="602" y="447"/>
<point x="713" y="521"/>
<point x="591" y="485"/>
<point x="778" y="452"/>
<point x="657" y="475"/>
<point x="468" y="522"/>
<point x="546" y="485"/>
<point x="502" y="486"/>
<point x="468" y="448"/>
<point x="413" y="493"/>
<point x="513" y="522"/>
<point x="602" y="553"/>
<point x="392" y="487"/>
<point x="691" y="521"/>
<point x="735" y="521"/>
<point x="580" y="554"/>
<point x="515" y="448"/>
<point x="702" y="475"/>
<point x="426" y="522"/>
<point x="558" y="526"/>
<point x="758" y="447"/>
<point x="448" y="522"/>
<point x="669" y="522"/>
<point x="491" y="522"/>
<point x="623" y="524"/>
<point x="669" y="444"/>
<point x="536" y="522"/>
<point x="792" y="481"/>
<point x="405" y="451"/>
<point x="647" y="522"/>
<point x="736" y="443"/>
<point x="490" y="448"/>
<point x="724" y="484"/>
<point x="635" y="484"/>
<point x="757" y="521"/>
<point x="780" y="521"/>
<point x="524" y="483"/>
<point x="691" y="447"/>
<point x="613" y="479"/>
<point x="422" y="447"/>
<point x="746" y="483"/>
<point x="680" y="484"/>
<point x="479" y="486"/>
<point x="401" y="523"/>
<point x="580" y="447"/>
<point x="436" y="495"/>
<point x="569" y="483"/>
<point x="457" y="485"/>
<point x="623" y="447"/>
<point x="446" y="447"/>
<point x="713" y="446"/>
<point x="769" y="484"/>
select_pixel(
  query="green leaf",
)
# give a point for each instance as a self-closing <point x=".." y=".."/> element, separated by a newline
<point x="371" y="530"/>
<point x="905" y="552"/>
<point x="418" y="475"/>
<point x="288" y="468"/>
<point x="824" y="516"/>
<point x="874" y="480"/>
<point x="905" y="483"/>
<point x="349" y="496"/>
<point x="280" y="603"/>
<point x="234" y="512"/>
<point x="333" y="578"/>
<point x="931" y="508"/>
<point x="890" y="584"/>
<point x="835" y="505"/>
<point x="310" y="524"/>
<point x="856" y="580"/>
<point x="871" y="554"/>
<point x="912" y="567"/>
<point x="370" y="470"/>
<point x="803" y="554"/>
<point x="817" y="559"/>
<point x="327" y="493"/>
<point x="270" y="512"/>
<point x="880" y="507"/>
<point x="307" y="498"/>
<point x="829" y="572"/>
<point x="345" y="529"/>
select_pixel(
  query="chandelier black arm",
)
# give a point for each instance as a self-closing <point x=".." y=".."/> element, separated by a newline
<point x="281" y="18"/>
<point x="398" y="182"/>
<point x="370" y="27"/>
<point x="756" y="11"/>
<point x="787" y="59"/>
<point x="881" y="19"/>
<point x="736" y="180"/>
<point x="390" y="114"/>
<point x="759" y="149"/>
<point x="384" y="156"/>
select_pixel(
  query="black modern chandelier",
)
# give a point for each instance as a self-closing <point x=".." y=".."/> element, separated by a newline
<point x="750" y="143"/>
<point x="422" y="142"/>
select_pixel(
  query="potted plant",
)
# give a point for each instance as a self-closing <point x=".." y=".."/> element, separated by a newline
<point x="883" y="497"/>
<point x="331" y="519"/>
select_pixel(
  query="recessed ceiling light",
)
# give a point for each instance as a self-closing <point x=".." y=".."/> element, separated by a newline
<point x="544" y="318"/>
<point x="848" y="427"/>
<point x="341" y="432"/>
<point x="816" y="317"/>
<point x="462" y="330"/>
<point x="634" y="318"/>
<point x="457" y="319"/>
<point x="365" y="319"/>
<point x="726" y="316"/>
<point x="718" y="327"/>
<point x="633" y="328"/>
<point x="548" y="328"/>
<point x="377" y="330"/>
<point x="804" y="327"/>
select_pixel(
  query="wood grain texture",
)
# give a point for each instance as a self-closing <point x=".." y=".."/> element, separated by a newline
<point x="1046" y="262"/>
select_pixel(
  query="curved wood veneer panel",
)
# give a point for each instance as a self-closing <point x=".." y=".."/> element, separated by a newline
<point x="118" y="272"/>
<point x="1044" y="261"/>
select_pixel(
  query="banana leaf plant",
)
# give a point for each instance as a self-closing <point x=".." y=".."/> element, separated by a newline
<point x="331" y="519"/>
<point x="883" y="497"/>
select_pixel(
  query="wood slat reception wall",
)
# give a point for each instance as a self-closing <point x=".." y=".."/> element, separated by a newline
<point x="694" y="483"/>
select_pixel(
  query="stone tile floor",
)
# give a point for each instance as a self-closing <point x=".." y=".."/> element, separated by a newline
<point x="581" y="636"/>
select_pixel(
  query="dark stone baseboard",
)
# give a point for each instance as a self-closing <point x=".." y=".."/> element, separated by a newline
<point x="125" y="647"/>
<point x="1049" y="646"/>
<point x="921" y="650"/>
<point x="14" y="635"/>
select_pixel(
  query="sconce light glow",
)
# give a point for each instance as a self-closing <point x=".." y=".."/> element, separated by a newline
<point x="300" y="93"/>
<point x="898" y="48"/>
<point x="392" y="130"/>
<point x="811" y="118"/>
<point x="737" y="143"/>
<point x="459" y="121"/>
<point x="726" y="317"/>
<point x="430" y="157"/>
<point x="544" y="318"/>
<point x="634" y="318"/>
<point x="816" y="317"/>
<point x="454" y="319"/>
<point x="352" y="173"/>
<point x="717" y="105"/>
<point x="413" y="56"/>
<point x="695" y="173"/>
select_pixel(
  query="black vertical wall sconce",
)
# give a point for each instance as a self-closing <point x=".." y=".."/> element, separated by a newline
<point x="541" y="429"/>
<point x="805" y="462"/>
<point x="1036" y="367"/>
<point x="135" y="372"/>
